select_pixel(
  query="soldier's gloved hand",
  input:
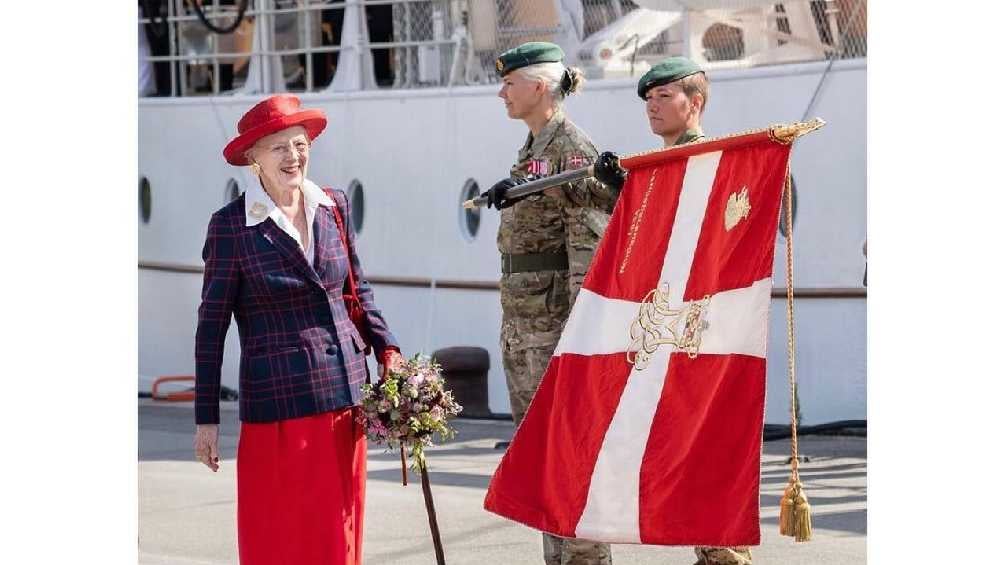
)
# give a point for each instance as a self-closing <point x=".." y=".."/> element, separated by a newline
<point x="496" y="194"/>
<point x="607" y="169"/>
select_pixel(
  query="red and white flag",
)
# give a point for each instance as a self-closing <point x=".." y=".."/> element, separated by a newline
<point x="647" y="425"/>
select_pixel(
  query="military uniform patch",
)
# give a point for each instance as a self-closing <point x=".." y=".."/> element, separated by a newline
<point x="539" y="168"/>
<point x="575" y="161"/>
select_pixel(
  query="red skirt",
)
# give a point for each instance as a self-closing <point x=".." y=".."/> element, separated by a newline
<point x="301" y="484"/>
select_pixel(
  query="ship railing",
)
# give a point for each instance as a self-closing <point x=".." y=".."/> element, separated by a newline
<point x="426" y="46"/>
<point x="293" y="45"/>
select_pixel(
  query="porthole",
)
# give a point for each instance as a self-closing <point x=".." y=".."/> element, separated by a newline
<point x="782" y="227"/>
<point x="470" y="220"/>
<point x="358" y="203"/>
<point x="232" y="191"/>
<point x="145" y="202"/>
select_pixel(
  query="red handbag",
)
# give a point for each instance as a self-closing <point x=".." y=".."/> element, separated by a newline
<point x="352" y="304"/>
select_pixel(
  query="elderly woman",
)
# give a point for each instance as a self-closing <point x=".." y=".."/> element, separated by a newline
<point x="547" y="240"/>
<point x="279" y="259"/>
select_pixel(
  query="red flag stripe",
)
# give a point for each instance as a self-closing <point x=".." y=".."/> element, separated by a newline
<point x="636" y="240"/>
<point x="557" y="445"/>
<point x="700" y="477"/>
<point x="736" y="258"/>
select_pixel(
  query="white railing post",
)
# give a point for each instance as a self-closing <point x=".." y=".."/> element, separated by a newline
<point x="264" y="69"/>
<point x="355" y="62"/>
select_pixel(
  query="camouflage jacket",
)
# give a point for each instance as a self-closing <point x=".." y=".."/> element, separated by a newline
<point x="688" y="136"/>
<point x="569" y="218"/>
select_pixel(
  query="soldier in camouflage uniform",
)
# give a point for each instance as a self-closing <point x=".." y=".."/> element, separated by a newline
<point x="675" y="92"/>
<point x="547" y="240"/>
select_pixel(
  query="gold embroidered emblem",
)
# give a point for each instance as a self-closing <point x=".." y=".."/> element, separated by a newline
<point x="737" y="208"/>
<point x="258" y="210"/>
<point x="499" y="65"/>
<point x="658" y="324"/>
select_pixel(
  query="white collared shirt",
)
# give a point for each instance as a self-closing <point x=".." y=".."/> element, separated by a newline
<point x="258" y="207"/>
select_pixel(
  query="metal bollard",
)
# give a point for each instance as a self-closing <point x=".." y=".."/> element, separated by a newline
<point x="466" y="372"/>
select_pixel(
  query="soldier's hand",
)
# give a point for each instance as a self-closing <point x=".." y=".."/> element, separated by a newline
<point x="607" y="169"/>
<point x="496" y="195"/>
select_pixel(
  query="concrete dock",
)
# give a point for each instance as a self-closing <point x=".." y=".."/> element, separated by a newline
<point x="187" y="513"/>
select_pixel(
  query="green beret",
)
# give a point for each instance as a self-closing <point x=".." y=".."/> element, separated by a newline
<point x="528" y="54"/>
<point x="667" y="71"/>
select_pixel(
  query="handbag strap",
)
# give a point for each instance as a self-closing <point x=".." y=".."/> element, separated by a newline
<point x="350" y="280"/>
<point x="337" y="212"/>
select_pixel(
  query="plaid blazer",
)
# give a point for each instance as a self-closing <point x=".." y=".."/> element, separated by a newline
<point x="300" y="352"/>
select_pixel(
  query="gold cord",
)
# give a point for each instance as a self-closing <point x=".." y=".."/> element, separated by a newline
<point x="796" y="513"/>
<point x="789" y="272"/>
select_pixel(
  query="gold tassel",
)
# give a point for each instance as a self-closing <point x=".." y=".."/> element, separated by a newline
<point x="786" y="523"/>
<point x="796" y="517"/>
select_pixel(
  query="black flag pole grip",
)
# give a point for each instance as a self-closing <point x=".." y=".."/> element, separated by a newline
<point x="535" y="186"/>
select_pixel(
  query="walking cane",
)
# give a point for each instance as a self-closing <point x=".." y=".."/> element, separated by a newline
<point x="430" y="508"/>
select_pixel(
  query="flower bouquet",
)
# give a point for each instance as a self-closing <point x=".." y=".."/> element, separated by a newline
<point x="405" y="410"/>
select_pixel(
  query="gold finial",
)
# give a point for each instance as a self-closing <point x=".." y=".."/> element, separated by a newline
<point x="789" y="133"/>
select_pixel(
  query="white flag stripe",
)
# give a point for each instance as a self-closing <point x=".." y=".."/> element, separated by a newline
<point x="611" y="511"/>
<point x="697" y="183"/>
<point x="612" y="502"/>
<point x="737" y="323"/>
<point x="597" y="325"/>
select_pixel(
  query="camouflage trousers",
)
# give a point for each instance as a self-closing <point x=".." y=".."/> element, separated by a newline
<point x="723" y="556"/>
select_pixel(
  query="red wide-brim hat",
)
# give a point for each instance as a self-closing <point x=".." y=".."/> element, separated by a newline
<point x="273" y="114"/>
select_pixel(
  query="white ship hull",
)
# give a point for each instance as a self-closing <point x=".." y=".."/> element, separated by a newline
<point x="413" y="151"/>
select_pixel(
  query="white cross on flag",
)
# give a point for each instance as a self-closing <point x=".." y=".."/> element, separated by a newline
<point x="647" y="425"/>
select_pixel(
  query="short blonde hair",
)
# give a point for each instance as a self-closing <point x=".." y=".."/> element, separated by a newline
<point x="696" y="83"/>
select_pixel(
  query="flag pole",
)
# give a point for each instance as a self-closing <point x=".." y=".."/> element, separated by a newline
<point x="786" y="134"/>
<point x="535" y="186"/>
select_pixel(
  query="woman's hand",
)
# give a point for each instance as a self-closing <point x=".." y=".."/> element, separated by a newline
<point x="392" y="359"/>
<point x="207" y="438"/>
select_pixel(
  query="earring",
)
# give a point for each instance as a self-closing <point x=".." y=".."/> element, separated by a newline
<point x="256" y="169"/>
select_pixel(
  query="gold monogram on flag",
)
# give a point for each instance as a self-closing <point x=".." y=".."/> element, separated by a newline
<point x="657" y="324"/>
<point x="737" y="208"/>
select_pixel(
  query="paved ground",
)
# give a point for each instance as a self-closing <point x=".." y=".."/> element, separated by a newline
<point x="186" y="513"/>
